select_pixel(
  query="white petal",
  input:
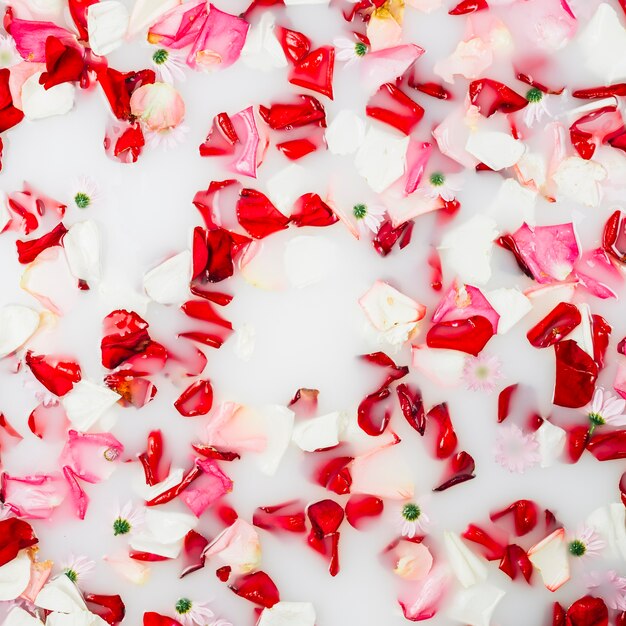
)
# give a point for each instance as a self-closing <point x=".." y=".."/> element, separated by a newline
<point x="383" y="472"/>
<point x="14" y="577"/>
<point x="603" y="45"/>
<point x="511" y="305"/>
<point x="262" y="49"/>
<point x="107" y="22"/>
<point x="39" y="103"/>
<point x="549" y="556"/>
<point x="87" y="403"/>
<point x="577" y="179"/>
<point x="81" y="244"/>
<point x="610" y="523"/>
<point x="320" y="432"/>
<point x="17" y="325"/>
<point x="287" y="185"/>
<point x="45" y="7"/>
<point x="20" y="617"/>
<point x="443" y="367"/>
<point x="62" y="595"/>
<point x="237" y="547"/>
<point x="513" y="205"/>
<point x="162" y="532"/>
<point x="146" y="12"/>
<point x="245" y="336"/>
<point x="551" y="441"/>
<point x="168" y="283"/>
<point x="288" y="614"/>
<point x="466" y="250"/>
<point x="381" y="159"/>
<point x="467" y="567"/>
<point x="475" y="606"/>
<point x="134" y="571"/>
<point x="495" y="149"/>
<point x="79" y="618"/>
<point x="345" y="133"/>
<point x="582" y="334"/>
<point x="278" y="426"/>
<point x="148" y="492"/>
<point x="309" y="260"/>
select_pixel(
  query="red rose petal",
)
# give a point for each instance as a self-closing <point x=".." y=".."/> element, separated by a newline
<point x="601" y="334"/>
<point x="110" y="608"/>
<point x="504" y="401"/>
<point x="289" y="116"/>
<point x="608" y="446"/>
<point x="325" y="516"/>
<point x="614" y="236"/>
<point x="15" y="535"/>
<point x="468" y="6"/>
<point x="524" y="512"/>
<point x="360" y="507"/>
<point x="491" y="96"/>
<point x="155" y="619"/>
<point x="372" y="418"/>
<point x="295" y="45"/>
<point x="258" y="588"/>
<point x="311" y="210"/>
<point x="335" y="475"/>
<point x="391" y="106"/>
<point x="125" y="334"/>
<point x="493" y="550"/>
<point x="576" y="375"/>
<point x="460" y="469"/>
<point x="469" y="335"/>
<point x="196" y="400"/>
<point x="258" y="215"/>
<point x="64" y="63"/>
<point x="55" y="375"/>
<point x="297" y="148"/>
<point x="387" y="237"/>
<point x="28" y="251"/>
<point x="193" y="552"/>
<point x="516" y="560"/>
<point x="412" y="406"/>
<point x="288" y="516"/>
<point x="577" y="440"/>
<point x="9" y="115"/>
<point x="557" y="324"/>
<point x="221" y="139"/>
<point x="445" y="438"/>
<point x="587" y="611"/>
<point x="315" y="71"/>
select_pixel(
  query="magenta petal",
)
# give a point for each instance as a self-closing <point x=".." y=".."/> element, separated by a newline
<point x="462" y="302"/>
<point x="247" y="159"/>
<point x="598" y="275"/>
<point x="31" y="36"/>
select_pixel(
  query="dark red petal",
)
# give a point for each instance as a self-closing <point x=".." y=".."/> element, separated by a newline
<point x="493" y="550"/>
<point x="614" y="236"/>
<point x="435" y="90"/>
<point x="558" y="615"/>
<point x="311" y="210"/>
<point x="193" y="552"/>
<point x="125" y="143"/>
<point x="173" y="492"/>
<point x="387" y="236"/>
<point x="154" y="619"/>
<point x="391" y="106"/>
<point x="622" y="488"/>
<point x="516" y="560"/>
<point x="525" y="515"/>
<point x="15" y="535"/>
<point x="392" y="371"/>
<point x="372" y="418"/>
<point x="315" y="71"/>
<point x="412" y="406"/>
<point x="209" y="452"/>
<point x="258" y="588"/>
<point x="147" y="557"/>
<point x="445" y="438"/>
<point x="460" y="469"/>
<point x="325" y="516"/>
<point x="491" y="96"/>
<point x="469" y="335"/>
<point x="468" y="6"/>
<point x="64" y="63"/>
<point x="576" y="375"/>
<point x="125" y="334"/>
<point x="207" y="201"/>
<point x="504" y="401"/>
<point x="221" y="139"/>
<point x="335" y="475"/>
<point x="295" y="149"/>
<point x="110" y="608"/>
<point x="289" y="116"/>
<point x="360" y="507"/>
<point x="587" y="611"/>
<point x="557" y="324"/>
<point x="295" y="45"/>
<point x="258" y="215"/>
<point x="577" y="440"/>
<point x="118" y="87"/>
<point x="608" y="446"/>
<point x="288" y="516"/>
<point x="152" y="457"/>
<point x="591" y="93"/>
<point x="204" y="310"/>
<point x="55" y="375"/>
<point x="601" y="333"/>
<point x="508" y="243"/>
<point x="28" y="251"/>
<point x="196" y="400"/>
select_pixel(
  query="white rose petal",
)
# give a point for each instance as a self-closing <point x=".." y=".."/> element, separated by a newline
<point x="277" y="424"/>
<point x="17" y="325"/>
<point x="79" y="618"/>
<point x="466" y="250"/>
<point x="162" y="533"/>
<point x="262" y="50"/>
<point x="245" y="336"/>
<point x="168" y="283"/>
<point x="345" y="133"/>
<point x="146" y="12"/>
<point x="286" y="186"/>
<point x="107" y="22"/>
<point x="45" y="7"/>
<point x="549" y="556"/>
<point x="81" y="245"/>
<point x="495" y="149"/>
<point x="475" y="606"/>
<point x="87" y="402"/>
<point x="61" y="595"/>
<point x="610" y="523"/>
<point x="578" y="180"/>
<point x="511" y="305"/>
<point x="20" y="617"/>
<point x="39" y="103"/>
<point x="320" y="432"/>
<point x="467" y="567"/>
<point x="381" y="159"/>
<point x="443" y="367"/>
<point x="148" y="492"/>
<point x="582" y="334"/>
<point x="308" y="260"/>
<point x="551" y="441"/>
<point x="532" y="169"/>
<point x="131" y="570"/>
<point x="603" y="45"/>
<point x="14" y="577"/>
<point x="288" y="614"/>
<point x="513" y="206"/>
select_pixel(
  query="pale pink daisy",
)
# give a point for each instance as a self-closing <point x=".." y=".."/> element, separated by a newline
<point x="611" y="586"/>
<point x="77" y="568"/>
<point x="482" y="372"/>
<point x="127" y="519"/>
<point x="412" y="519"/>
<point x="169" y="66"/>
<point x="349" y="50"/>
<point x="605" y="408"/>
<point x="84" y="193"/>
<point x="585" y="543"/>
<point x="168" y="138"/>
<point x="368" y="217"/>
<point x="220" y="622"/>
<point x="515" y="450"/>
<point x="191" y="613"/>
<point x="536" y="109"/>
<point x="442" y="186"/>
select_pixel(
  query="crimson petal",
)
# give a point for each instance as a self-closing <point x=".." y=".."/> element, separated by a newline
<point x="576" y="375"/>
<point x="287" y="516"/>
<point x="315" y="71"/>
<point x="525" y="515"/>
<point x="258" y="588"/>
<point x="196" y="400"/>
<point x="557" y="324"/>
<point x="258" y="215"/>
<point x="469" y="335"/>
<point x="361" y="506"/>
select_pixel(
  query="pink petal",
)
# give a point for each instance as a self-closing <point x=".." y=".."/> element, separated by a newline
<point x="179" y="27"/>
<point x="384" y="66"/>
<point x="90" y="456"/>
<point x="211" y="486"/>
<point x="462" y="302"/>
<point x="30" y="38"/>
<point x="33" y="497"/>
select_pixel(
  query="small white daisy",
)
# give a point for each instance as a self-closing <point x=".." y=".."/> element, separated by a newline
<point x="9" y="55"/>
<point x="191" y="613"/>
<point x="585" y="543"/>
<point x="167" y="139"/>
<point x="349" y="50"/>
<point x="537" y="106"/>
<point x="127" y="519"/>
<point x="84" y="193"/>
<point x="368" y="217"/>
<point x="442" y="186"/>
<point x="412" y="519"/>
<point x="169" y="66"/>
<point x="77" y="568"/>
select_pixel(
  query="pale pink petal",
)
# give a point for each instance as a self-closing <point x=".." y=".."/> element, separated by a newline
<point x="158" y="105"/>
<point x="91" y="456"/>
<point x="180" y="26"/>
<point x="33" y="497"/>
<point x="384" y="66"/>
<point x="237" y="547"/>
<point x="212" y="485"/>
